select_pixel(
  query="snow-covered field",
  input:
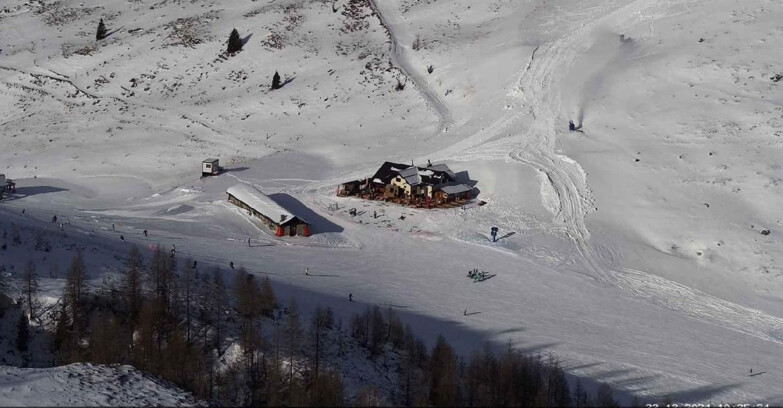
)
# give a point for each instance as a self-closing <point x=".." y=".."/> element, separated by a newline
<point x="633" y="250"/>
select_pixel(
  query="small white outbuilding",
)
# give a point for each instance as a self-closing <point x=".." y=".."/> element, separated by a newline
<point x="210" y="167"/>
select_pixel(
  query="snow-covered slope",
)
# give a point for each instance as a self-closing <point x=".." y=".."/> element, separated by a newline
<point x="633" y="249"/>
<point x="88" y="385"/>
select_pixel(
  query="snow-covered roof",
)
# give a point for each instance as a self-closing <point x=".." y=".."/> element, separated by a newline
<point x="210" y="160"/>
<point x="259" y="201"/>
<point x="456" y="189"/>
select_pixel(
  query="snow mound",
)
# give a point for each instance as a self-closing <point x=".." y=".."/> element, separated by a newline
<point x="88" y="385"/>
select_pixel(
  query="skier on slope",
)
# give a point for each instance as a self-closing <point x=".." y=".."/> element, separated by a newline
<point x="571" y="126"/>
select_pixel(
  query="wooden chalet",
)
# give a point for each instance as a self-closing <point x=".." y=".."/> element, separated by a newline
<point x="271" y="214"/>
<point x="411" y="185"/>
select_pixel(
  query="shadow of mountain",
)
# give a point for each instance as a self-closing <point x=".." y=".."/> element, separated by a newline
<point x="703" y="393"/>
<point x="22" y="192"/>
<point x="318" y="224"/>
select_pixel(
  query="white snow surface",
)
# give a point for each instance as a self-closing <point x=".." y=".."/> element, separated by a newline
<point x="83" y="384"/>
<point x="633" y="250"/>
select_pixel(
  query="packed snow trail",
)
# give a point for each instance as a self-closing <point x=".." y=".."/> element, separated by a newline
<point x="542" y="89"/>
<point x="400" y="59"/>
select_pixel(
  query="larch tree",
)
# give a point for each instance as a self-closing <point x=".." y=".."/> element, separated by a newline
<point x="443" y="371"/>
<point x="132" y="283"/>
<point x="76" y="284"/>
<point x="30" y="282"/>
<point x="268" y="299"/>
<point x="293" y="336"/>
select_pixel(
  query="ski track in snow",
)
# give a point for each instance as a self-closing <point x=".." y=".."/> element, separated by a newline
<point x="564" y="188"/>
<point x="569" y="181"/>
<point x="399" y="59"/>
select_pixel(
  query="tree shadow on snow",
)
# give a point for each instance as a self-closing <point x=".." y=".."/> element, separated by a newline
<point x="318" y="224"/>
<point x="110" y="33"/>
<point x="246" y="39"/>
<point x="287" y="81"/>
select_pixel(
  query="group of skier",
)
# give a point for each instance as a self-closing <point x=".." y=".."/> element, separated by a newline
<point x="477" y="276"/>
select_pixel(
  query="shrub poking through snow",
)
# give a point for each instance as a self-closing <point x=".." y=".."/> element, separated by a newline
<point x="101" y="33"/>
<point x="400" y="85"/>
<point x="234" y="42"/>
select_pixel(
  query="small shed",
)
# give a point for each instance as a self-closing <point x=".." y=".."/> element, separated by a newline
<point x="210" y="167"/>
<point x="259" y="205"/>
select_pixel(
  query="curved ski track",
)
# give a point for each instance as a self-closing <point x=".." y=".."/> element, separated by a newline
<point x="540" y="83"/>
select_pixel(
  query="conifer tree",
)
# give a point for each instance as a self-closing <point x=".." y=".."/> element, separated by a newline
<point x="234" y="42"/>
<point x="276" y="81"/>
<point x="101" y="34"/>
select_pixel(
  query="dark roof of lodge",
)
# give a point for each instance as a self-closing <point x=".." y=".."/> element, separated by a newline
<point x="413" y="174"/>
<point x="456" y="189"/>
<point x="388" y="171"/>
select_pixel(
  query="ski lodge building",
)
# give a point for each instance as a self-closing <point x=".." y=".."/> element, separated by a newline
<point x="270" y="213"/>
<point x="434" y="184"/>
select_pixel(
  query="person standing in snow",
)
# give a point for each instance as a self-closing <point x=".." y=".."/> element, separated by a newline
<point x="54" y="218"/>
<point x="112" y="227"/>
<point x="231" y="264"/>
<point x="350" y="297"/>
<point x="571" y="126"/>
<point x="122" y="238"/>
<point x="145" y="233"/>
